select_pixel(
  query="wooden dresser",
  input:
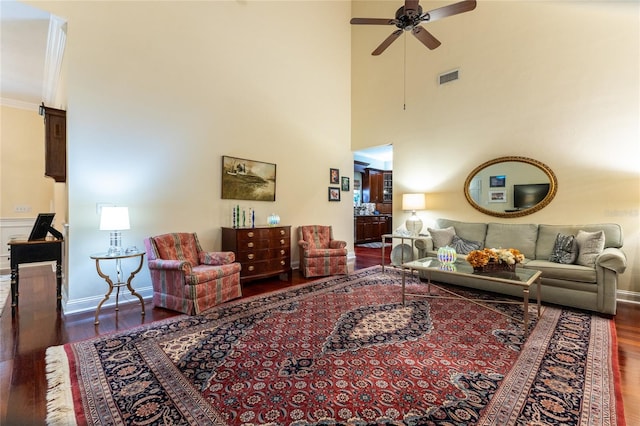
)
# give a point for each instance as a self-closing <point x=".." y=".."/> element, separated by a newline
<point x="262" y="251"/>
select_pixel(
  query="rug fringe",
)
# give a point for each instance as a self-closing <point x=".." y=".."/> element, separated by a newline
<point x="59" y="396"/>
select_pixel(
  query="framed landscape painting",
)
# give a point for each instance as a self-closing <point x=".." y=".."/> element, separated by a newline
<point x="244" y="179"/>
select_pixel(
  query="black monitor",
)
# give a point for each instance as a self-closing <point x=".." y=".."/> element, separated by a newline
<point x="42" y="226"/>
<point x="527" y="196"/>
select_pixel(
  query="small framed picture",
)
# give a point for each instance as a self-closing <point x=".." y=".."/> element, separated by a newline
<point x="334" y="193"/>
<point x="334" y="176"/>
<point x="345" y="183"/>
<point x="498" y="196"/>
<point x="497" y="181"/>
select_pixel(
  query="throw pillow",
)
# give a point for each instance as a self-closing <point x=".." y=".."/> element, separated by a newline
<point x="442" y="237"/>
<point x="565" y="249"/>
<point x="463" y="246"/>
<point x="590" y="245"/>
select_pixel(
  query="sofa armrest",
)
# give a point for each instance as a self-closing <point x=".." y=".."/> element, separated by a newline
<point x="178" y="265"/>
<point x="217" y="258"/>
<point x="613" y="259"/>
<point x="337" y="244"/>
<point x="423" y="245"/>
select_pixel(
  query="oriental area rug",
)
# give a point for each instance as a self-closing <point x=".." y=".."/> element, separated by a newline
<point x="345" y="351"/>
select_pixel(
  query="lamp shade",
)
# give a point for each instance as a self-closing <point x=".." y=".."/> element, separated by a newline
<point x="413" y="202"/>
<point x="114" y="218"/>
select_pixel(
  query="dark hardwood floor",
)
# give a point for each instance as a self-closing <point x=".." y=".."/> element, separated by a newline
<point x="37" y="325"/>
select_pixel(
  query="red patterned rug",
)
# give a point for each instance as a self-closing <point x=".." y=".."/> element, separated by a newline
<point x="344" y="350"/>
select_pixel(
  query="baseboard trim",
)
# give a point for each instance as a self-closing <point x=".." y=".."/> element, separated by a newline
<point x="628" y="296"/>
<point x="89" y="304"/>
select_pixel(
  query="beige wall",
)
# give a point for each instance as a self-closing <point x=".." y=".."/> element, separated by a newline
<point x="22" y="179"/>
<point x="158" y="92"/>
<point x="554" y="81"/>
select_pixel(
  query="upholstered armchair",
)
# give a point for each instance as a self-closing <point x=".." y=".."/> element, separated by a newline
<point x="187" y="279"/>
<point x="320" y="254"/>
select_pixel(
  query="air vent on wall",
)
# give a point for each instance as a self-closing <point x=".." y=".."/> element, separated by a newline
<point x="448" y="76"/>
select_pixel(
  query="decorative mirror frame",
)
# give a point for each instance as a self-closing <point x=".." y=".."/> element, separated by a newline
<point x="553" y="186"/>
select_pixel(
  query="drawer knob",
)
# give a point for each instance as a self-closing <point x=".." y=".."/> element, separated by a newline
<point x="251" y="256"/>
<point x="250" y="245"/>
<point x="250" y="234"/>
<point x="281" y="251"/>
<point x="282" y="262"/>
<point x="282" y="242"/>
<point x="282" y="232"/>
<point x="251" y="268"/>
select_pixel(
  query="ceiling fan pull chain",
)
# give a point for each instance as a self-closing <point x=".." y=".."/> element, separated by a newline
<point x="404" y="78"/>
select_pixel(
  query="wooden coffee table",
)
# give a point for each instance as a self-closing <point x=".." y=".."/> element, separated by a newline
<point x="521" y="277"/>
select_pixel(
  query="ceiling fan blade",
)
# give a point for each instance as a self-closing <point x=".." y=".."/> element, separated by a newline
<point x="394" y="35"/>
<point x="452" y="9"/>
<point x="425" y="37"/>
<point x="372" y="21"/>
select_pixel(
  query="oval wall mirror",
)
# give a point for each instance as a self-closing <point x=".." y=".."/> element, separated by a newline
<point x="510" y="186"/>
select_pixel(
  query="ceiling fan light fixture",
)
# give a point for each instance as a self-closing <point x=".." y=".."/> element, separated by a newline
<point x="410" y="16"/>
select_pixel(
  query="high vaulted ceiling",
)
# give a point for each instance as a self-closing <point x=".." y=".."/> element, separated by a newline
<point x="24" y="33"/>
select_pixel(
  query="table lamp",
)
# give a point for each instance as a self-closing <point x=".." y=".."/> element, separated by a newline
<point x="413" y="202"/>
<point x="114" y="219"/>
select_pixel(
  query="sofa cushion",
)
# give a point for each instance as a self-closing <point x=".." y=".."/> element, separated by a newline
<point x="468" y="230"/>
<point x="519" y="236"/>
<point x="590" y="245"/>
<point x="441" y="237"/>
<point x="565" y="249"/>
<point x="463" y="246"/>
<point x="547" y="236"/>
<point x="561" y="271"/>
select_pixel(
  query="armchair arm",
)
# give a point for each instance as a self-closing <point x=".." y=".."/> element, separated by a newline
<point x="304" y="245"/>
<point x="180" y="265"/>
<point x="217" y="258"/>
<point x="612" y="258"/>
<point x="337" y="244"/>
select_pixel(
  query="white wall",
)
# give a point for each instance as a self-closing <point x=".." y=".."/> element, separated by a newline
<point x="556" y="81"/>
<point x="158" y="92"/>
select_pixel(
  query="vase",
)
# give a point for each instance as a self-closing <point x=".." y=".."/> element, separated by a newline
<point x="273" y="219"/>
<point x="447" y="254"/>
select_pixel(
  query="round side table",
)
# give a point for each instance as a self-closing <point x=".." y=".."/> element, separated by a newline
<point x="119" y="277"/>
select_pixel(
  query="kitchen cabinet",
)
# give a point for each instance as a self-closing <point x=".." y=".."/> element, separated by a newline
<point x="377" y="186"/>
<point x="369" y="229"/>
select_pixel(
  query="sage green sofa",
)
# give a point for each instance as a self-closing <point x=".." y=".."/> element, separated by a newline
<point x="591" y="288"/>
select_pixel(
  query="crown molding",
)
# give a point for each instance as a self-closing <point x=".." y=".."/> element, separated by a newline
<point x="56" y="42"/>
<point x="15" y="103"/>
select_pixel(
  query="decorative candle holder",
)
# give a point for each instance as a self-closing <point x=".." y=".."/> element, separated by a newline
<point x="447" y="254"/>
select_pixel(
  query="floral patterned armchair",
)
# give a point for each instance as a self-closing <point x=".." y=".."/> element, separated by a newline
<point x="320" y="254"/>
<point x="187" y="279"/>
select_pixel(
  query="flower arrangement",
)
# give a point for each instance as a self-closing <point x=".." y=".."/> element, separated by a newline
<point x="479" y="259"/>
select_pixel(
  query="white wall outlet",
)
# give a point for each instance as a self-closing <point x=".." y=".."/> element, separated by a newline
<point x="22" y="208"/>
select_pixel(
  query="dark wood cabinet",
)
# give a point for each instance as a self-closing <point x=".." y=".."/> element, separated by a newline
<point x="377" y="186"/>
<point x="371" y="228"/>
<point x="55" y="141"/>
<point x="262" y="251"/>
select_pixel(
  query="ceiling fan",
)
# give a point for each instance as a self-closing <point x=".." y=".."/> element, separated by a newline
<point x="409" y="17"/>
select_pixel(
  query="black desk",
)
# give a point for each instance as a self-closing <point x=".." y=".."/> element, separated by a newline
<point x="31" y="252"/>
